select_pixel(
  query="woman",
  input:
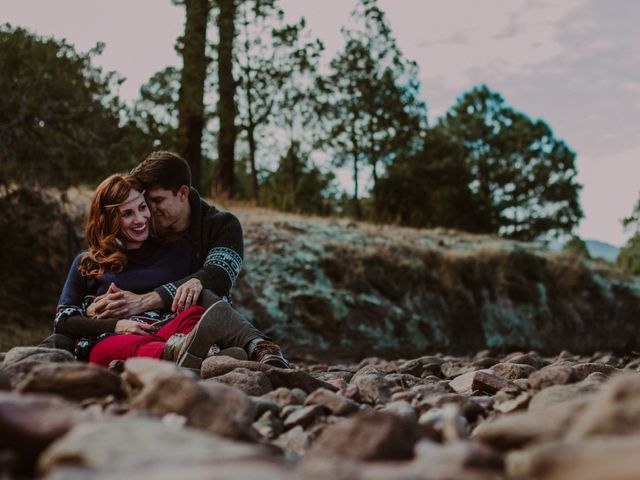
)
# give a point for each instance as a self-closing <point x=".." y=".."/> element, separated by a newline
<point x="123" y="252"/>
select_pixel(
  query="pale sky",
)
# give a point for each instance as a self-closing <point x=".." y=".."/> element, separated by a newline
<point x="573" y="63"/>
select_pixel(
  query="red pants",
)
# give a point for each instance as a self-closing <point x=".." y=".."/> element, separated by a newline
<point x="121" y="347"/>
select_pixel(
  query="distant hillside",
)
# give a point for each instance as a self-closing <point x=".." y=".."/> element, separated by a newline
<point x="604" y="250"/>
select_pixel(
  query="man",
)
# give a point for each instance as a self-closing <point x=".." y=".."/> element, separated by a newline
<point x="216" y="239"/>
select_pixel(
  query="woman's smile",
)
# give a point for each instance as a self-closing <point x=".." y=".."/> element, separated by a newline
<point x="134" y="219"/>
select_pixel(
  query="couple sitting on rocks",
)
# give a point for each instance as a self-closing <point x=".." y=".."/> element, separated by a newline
<point x="155" y="279"/>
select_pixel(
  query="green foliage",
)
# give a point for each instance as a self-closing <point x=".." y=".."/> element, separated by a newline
<point x="371" y="97"/>
<point x="629" y="256"/>
<point x="576" y="247"/>
<point x="297" y="187"/>
<point x="272" y="61"/>
<point x="156" y="114"/>
<point x="633" y="220"/>
<point x="156" y="110"/>
<point x="60" y="122"/>
<point x="521" y="172"/>
<point x="430" y="188"/>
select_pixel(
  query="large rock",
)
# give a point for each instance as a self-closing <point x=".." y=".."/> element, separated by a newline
<point x="19" y="371"/>
<point x="284" y="396"/>
<point x="122" y="447"/>
<point x="233" y="469"/>
<point x="518" y="429"/>
<point x="75" y="381"/>
<point x="295" y="442"/>
<point x="553" y="375"/>
<point x="445" y="424"/>
<point x="372" y="388"/>
<point x="374" y="435"/>
<point x="563" y="393"/>
<point x="249" y="381"/>
<point x="615" y="410"/>
<point x="269" y="426"/>
<point x="402" y="409"/>
<point x="141" y="371"/>
<point x="38" y="354"/>
<point x="597" y="458"/>
<point x="483" y="381"/>
<point x="29" y="423"/>
<point x="336" y="404"/>
<point x="512" y="371"/>
<point x="583" y="370"/>
<point x="459" y="461"/>
<point x="303" y="416"/>
<point x="531" y="359"/>
<point x="210" y="406"/>
<point x="219" y="365"/>
<point x="19" y="361"/>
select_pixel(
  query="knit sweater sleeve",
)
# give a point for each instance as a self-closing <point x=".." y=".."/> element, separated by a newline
<point x="76" y="296"/>
<point x="222" y="252"/>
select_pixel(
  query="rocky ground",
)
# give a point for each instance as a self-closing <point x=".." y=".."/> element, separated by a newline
<point x="489" y="416"/>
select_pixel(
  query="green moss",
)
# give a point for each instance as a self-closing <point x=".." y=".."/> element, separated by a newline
<point x="507" y="325"/>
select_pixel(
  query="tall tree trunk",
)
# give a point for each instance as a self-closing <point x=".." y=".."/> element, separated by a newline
<point x="194" y="73"/>
<point x="224" y="182"/>
<point x="251" y="124"/>
<point x="295" y="176"/>
<point x="357" y="210"/>
<point x="251" y="138"/>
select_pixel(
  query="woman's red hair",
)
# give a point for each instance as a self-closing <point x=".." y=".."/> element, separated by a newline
<point x="103" y="230"/>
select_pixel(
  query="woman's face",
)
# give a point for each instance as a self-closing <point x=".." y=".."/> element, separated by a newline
<point x="134" y="220"/>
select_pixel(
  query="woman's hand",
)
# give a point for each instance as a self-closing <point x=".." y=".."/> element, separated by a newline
<point x="111" y="304"/>
<point x="131" y="327"/>
<point x="186" y="295"/>
<point x="117" y="303"/>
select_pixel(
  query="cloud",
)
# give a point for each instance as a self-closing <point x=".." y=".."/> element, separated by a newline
<point x="454" y="40"/>
<point x="607" y="195"/>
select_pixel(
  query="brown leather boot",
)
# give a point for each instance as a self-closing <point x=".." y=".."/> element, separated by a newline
<point x="269" y="353"/>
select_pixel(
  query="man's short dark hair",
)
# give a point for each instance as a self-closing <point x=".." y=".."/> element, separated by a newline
<point x="163" y="169"/>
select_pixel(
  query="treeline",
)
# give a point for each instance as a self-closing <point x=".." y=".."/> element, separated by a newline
<point x="260" y="114"/>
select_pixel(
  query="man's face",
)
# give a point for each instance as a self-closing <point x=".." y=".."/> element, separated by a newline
<point x="169" y="209"/>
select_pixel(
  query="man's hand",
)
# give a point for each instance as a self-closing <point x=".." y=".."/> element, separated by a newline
<point x="131" y="327"/>
<point x="119" y="303"/>
<point x="186" y="295"/>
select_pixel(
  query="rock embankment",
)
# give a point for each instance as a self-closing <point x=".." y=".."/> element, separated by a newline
<point x="488" y="416"/>
<point x="338" y="290"/>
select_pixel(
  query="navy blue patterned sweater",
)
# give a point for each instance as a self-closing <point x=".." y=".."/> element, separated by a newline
<point x="216" y="239"/>
<point x="147" y="267"/>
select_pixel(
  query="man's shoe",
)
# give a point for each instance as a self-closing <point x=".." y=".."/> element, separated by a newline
<point x="269" y="353"/>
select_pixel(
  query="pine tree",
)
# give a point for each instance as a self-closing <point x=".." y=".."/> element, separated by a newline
<point x="522" y="174"/>
<point x="61" y="121"/>
<point x="270" y="57"/>
<point x="371" y="99"/>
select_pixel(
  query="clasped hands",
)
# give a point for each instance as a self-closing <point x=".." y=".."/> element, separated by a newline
<point x="117" y="302"/>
